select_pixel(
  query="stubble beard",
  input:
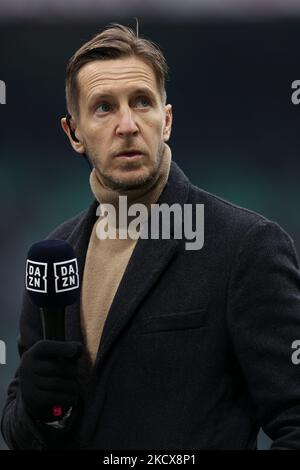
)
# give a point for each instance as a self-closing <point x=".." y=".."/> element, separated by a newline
<point x="118" y="184"/>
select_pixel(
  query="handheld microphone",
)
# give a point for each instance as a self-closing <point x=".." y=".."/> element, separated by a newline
<point x="52" y="282"/>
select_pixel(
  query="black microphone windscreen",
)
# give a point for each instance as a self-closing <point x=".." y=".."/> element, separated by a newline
<point x="52" y="278"/>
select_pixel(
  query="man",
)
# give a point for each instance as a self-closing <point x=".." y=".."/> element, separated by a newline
<point x="169" y="348"/>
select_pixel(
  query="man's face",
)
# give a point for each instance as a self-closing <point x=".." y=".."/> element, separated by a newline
<point x="122" y="123"/>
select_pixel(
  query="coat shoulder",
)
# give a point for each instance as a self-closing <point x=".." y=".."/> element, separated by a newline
<point x="228" y="217"/>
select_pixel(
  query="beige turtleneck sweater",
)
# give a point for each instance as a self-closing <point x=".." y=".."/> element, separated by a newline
<point x="106" y="259"/>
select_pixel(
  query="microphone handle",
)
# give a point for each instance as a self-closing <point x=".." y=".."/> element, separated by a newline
<point x="53" y="324"/>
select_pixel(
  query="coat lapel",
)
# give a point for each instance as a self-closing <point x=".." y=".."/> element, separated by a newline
<point x="148" y="261"/>
<point x="79" y="239"/>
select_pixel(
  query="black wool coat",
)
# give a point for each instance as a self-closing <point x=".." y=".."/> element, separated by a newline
<point x="196" y="351"/>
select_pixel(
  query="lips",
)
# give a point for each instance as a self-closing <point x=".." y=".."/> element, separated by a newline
<point x="129" y="153"/>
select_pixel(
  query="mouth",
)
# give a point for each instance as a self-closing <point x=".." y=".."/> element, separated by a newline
<point x="129" y="154"/>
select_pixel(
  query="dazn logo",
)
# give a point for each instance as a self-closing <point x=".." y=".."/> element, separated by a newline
<point x="36" y="276"/>
<point x="66" y="275"/>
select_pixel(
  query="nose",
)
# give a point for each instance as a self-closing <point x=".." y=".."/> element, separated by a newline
<point x="126" y="123"/>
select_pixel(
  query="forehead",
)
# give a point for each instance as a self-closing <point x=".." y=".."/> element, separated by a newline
<point x="116" y="74"/>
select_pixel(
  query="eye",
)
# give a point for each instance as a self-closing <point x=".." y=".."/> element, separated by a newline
<point x="142" y="102"/>
<point x="103" y="108"/>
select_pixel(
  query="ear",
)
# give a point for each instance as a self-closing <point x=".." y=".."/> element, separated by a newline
<point x="77" y="146"/>
<point x="168" y="122"/>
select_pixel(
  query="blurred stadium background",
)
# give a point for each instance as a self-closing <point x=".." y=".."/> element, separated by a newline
<point x="236" y="131"/>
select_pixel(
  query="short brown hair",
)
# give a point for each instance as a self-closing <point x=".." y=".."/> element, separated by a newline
<point x="113" y="42"/>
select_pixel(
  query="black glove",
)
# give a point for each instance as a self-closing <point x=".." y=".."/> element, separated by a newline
<point x="48" y="377"/>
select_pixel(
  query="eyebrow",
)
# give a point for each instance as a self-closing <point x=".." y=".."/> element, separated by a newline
<point x="110" y="94"/>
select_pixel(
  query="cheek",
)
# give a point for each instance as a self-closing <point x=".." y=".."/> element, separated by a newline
<point x="154" y="126"/>
<point x="97" y="135"/>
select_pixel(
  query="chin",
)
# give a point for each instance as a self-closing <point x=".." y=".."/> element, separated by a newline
<point x="130" y="180"/>
<point x="136" y="180"/>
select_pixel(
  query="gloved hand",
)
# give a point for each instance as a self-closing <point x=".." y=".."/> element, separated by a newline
<point x="48" y="377"/>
